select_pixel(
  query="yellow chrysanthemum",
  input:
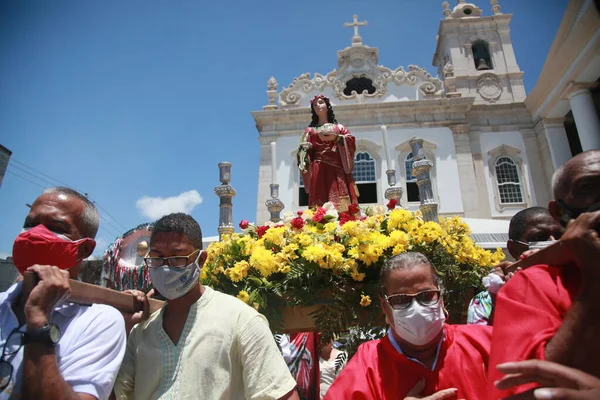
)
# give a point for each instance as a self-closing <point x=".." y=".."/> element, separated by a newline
<point x="243" y="296"/>
<point x="234" y="274"/>
<point x="365" y="300"/>
<point x="264" y="261"/>
<point x="275" y="236"/>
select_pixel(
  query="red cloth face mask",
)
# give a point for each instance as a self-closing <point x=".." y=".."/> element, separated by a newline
<point x="39" y="245"/>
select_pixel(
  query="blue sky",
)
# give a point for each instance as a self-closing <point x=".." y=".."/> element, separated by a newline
<point x="142" y="99"/>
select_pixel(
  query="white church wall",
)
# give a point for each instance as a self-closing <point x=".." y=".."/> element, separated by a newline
<point x="491" y="141"/>
<point x="439" y="146"/>
<point x="439" y="143"/>
<point x="287" y="171"/>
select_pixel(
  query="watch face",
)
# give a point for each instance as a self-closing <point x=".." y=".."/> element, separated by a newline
<point x="54" y="333"/>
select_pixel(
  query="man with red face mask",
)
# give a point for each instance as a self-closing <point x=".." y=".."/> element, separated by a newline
<point x="54" y="349"/>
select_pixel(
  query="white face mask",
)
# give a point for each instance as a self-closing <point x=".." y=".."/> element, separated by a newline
<point x="174" y="282"/>
<point x="540" y="245"/>
<point x="419" y="324"/>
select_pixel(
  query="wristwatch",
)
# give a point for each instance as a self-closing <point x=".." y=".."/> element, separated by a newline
<point x="48" y="335"/>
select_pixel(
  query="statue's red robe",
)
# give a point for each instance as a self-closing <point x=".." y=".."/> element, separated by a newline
<point x="328" y="177"/>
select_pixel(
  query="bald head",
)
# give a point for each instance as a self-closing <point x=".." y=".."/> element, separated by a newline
<point x="586" y="163"/>
<point x="576" y="185"/>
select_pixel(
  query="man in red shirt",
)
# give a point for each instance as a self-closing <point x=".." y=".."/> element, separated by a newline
<point x="552" y="312"/>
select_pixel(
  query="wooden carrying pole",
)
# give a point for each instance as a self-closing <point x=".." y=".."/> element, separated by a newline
<point x="87" y="294"/>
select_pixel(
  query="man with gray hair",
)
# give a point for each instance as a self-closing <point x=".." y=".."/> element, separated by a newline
<point x="54" y="349"/>
<point x="551" y="311"/>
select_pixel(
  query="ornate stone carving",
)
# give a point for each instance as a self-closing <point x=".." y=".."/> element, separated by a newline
<point x="448" y="69"/>
<point x="495" y="7"/>
<point x="489" y="87"/>
<point x="446" y="7"/>
<point x="380" y="77"/>
<point x="271" y="93"/>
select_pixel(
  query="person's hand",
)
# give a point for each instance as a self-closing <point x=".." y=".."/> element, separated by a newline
<point x="415" y="393"/>
<point x="498" y="269"/>
<point x="142" y="299"/>
<point x="53" y="288"/>
<point x="509" y="276"/>
<point x="528" y="253"/>
<point x="582" y="244"/>
<point x="557" y="381"/>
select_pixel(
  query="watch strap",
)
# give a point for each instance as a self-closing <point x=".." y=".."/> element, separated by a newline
<point x="40" y="335"/>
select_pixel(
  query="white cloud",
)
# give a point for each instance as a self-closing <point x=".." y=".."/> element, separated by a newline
<point x="156" y="207"/>
<point x="4" y="255"/>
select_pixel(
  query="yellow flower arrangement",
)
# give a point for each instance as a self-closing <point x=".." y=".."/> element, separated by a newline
<point x="334" y="260"/>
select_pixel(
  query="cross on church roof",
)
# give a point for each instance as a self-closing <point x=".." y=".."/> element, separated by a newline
<point x="356" y="39"/>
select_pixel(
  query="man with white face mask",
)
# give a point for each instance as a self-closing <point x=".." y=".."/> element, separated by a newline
<point x="202" y="344"/>
<point x="421" y="356"/>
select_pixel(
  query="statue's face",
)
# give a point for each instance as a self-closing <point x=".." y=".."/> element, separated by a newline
<point x="320" y="107"/>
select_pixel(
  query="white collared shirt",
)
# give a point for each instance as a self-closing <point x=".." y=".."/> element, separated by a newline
<point x="88" y="354"/>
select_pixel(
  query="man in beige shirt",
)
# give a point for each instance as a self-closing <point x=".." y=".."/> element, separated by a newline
<point x="202" y="343"/>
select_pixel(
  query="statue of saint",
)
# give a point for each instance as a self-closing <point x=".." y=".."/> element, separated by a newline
<point x="326" y="158"/>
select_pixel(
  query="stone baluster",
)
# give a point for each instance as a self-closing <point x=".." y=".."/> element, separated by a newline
<point x="225" y="192"/>
<point x="393" y="192"/>
<point x="421" y="169"/>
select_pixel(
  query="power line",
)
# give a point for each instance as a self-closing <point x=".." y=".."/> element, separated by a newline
<point x="29" y="173"/>
<point x="45" y="187"/>
<point x="107" y="220"/>
<point x="41" y="173"/>
<point x="107" y="213"/>
<point x="25" y="179"/>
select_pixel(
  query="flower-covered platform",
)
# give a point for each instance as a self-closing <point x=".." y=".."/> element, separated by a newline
<point x="318" y="269"/>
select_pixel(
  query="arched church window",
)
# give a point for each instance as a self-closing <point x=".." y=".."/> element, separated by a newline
<point x="508" y="181"/>
<point x="365" y="177"/>
<point x="412" y="190"/>
<point x="481" y="55"/>
<point x="359" y="85"/>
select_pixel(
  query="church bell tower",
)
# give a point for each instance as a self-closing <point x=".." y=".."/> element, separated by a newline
<point x="475" y="55"/>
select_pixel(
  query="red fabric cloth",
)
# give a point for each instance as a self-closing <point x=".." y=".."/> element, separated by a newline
<point x="305" y="366"/>
<point x="379" y="371"/>
<point x="529" y="310"/>
<point x="329" y="177"/>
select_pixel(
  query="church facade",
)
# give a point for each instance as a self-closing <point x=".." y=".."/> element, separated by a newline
<point x="490" y="158"/>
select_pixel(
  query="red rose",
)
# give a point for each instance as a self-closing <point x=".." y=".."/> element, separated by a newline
<point x="299" y="212"/>
<point x="244" y="224"/>
<point x="318" y="217"/>
<point x="392" y="204"/>
<point x="261" y="230"/>
<point x="297" y="222"/>
<point x="345" y="217"/>
<point x="353" y="209"/>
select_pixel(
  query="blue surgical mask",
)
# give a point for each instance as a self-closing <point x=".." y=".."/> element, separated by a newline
<point x="174" y="282"/>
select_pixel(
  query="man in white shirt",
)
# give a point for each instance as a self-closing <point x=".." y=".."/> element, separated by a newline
<point x="54" y="349"/>
<point x="202" y="344"/>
